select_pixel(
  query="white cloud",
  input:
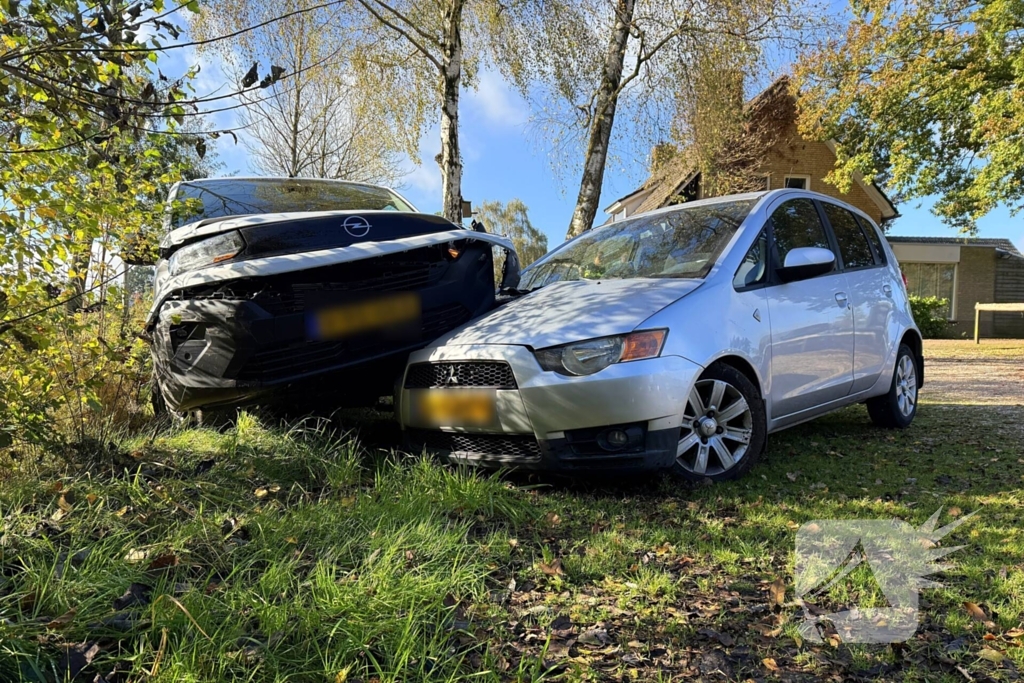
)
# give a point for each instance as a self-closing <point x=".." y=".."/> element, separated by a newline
<point x="496" y="102"/>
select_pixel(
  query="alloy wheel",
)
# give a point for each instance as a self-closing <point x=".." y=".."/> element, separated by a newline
<point x="717" y="428"/>
<point x="906" y="385"/>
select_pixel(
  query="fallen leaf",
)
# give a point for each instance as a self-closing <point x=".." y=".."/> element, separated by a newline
<point x="137" y="594"/>
<point x="137" y="555"/>
<point x="291" y="540"/>
<point x="165" y="561"/>
<point x="792" y="476"/>
<point x="76" y="658"/>
<point x="554" y="568"/>
<point x="63" y="620"/>
<point x="91" y="498"/>
<point x="1015" y="633"/>
<point x="976" y="612"/>
<point x="552" y="519"/>
<point x="954" y="511"/>
<point x="770" y="664"/>
<point x="594" y="636"/>
<point x="777" y="592"/>
<point x="994" y="656"/>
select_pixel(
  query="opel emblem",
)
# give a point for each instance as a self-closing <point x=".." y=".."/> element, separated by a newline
<point x="357" y="226"/>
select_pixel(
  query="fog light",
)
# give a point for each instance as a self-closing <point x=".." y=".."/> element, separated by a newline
<point x="616" y="438"/>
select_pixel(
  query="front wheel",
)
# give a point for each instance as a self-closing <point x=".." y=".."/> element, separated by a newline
<point x="897" y="408"/>
<point x="723" y="431"/>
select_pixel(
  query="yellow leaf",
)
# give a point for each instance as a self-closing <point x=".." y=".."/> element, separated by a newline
<point x="770" y="664"/>
<point x="994" y="656"/>
<point x="777" y="592"/>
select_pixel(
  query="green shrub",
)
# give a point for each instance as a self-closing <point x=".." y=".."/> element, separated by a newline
<point x="930" y="315"/>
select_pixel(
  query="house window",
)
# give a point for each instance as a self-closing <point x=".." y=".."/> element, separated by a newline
<point x="767" y="181"/>
<point x="797" y="182"/>
<point x="932" y="279"/>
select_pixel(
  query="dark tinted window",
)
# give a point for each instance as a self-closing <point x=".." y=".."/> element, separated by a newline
<point x="236" y="197"/>
<point x="873" y="237"/>
<point x="754" y="269"/>
<point x="853" y="245"/>
<point x="796" y="224"/>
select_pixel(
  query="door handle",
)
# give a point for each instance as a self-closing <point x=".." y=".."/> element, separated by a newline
<point x="887" y="289"/>
<point x="841" y="299"/>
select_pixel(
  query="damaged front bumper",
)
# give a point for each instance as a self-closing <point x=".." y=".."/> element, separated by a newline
<point x="241" y="333"/>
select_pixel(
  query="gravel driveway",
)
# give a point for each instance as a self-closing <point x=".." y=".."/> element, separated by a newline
<point x="961" y="372"/>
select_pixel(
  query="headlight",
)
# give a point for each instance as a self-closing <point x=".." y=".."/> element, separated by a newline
<point x="205" y="253"/>
<point x="594" y="355"/>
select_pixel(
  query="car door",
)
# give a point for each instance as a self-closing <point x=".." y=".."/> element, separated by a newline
<point x="811" y="320"/>
<point x="870" y="295"/>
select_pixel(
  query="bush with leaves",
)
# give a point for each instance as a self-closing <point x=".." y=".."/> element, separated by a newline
<point x="930" y="315"/>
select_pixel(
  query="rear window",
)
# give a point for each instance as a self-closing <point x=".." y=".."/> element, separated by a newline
<point x="853" y="245"/>
<point x="199" y="200"/>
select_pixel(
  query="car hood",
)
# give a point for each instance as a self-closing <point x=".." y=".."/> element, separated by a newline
<point x="214" y="226"/>
<point x="565" y="312"/>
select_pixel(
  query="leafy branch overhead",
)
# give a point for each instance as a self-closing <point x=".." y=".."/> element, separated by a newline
<point x="926" y="97"/>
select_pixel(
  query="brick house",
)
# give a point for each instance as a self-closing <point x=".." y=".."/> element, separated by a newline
<point x="965" y="271"/>
<point x="789" y="161"/>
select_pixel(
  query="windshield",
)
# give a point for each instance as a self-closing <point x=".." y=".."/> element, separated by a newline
<point x="682" y="244"/>
<point x="234" y="197"/>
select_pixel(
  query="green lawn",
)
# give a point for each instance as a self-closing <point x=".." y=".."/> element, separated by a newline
<point x="271" y="555"/>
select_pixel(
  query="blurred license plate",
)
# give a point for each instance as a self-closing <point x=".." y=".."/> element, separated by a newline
<point x="394" y="312"/>
<point x="454" y="407"/>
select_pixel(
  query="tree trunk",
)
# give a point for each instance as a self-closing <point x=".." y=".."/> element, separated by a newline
<point x="450" y="159"/>
<point x="601" y="126"/>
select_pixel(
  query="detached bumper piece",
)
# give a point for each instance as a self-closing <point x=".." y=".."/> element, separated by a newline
<point x="263" y="339"/>
<point x="575" y="453"/>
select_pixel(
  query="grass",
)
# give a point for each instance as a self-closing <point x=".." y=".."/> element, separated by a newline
<point x="297" y="555"/>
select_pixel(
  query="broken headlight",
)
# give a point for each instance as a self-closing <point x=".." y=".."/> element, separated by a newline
<point x="205" y="253"/>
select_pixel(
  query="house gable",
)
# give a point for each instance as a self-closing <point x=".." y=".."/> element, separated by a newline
<point x="790" y="156"/>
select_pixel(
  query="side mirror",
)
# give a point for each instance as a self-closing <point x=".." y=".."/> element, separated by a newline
<point x="804" y="263"/>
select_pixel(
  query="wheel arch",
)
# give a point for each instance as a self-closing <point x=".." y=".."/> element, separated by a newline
<point x="744" y="366"/>
<point x="912" y="338"/>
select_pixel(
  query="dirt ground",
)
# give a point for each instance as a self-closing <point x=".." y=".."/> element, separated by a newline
<point x="962" y="372"/>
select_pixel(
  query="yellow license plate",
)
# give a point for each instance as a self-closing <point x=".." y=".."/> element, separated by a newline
<point x="454" y="407"/>
<point x="365" y="316"/>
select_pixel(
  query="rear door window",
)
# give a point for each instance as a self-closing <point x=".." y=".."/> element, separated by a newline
<point x="853" y="244"/>
<point x="874" y="239"/>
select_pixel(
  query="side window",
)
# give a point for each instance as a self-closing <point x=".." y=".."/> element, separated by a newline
<point x="853" y="245"/>
<point x="875" y="240"/>
<point x="754" y="269"/>
<point x="796" y="224"/>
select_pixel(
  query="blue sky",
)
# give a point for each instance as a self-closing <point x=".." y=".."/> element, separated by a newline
<point x="504" y="159"/>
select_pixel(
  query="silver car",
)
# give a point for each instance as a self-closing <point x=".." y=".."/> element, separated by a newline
<point x="678" y="338"/>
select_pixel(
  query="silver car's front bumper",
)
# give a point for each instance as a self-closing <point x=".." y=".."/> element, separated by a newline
<point x="552" y="421"/>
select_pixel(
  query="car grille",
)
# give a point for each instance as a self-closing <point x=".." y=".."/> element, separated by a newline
<point x="490" y="374"/>
<point x="517" y="446"/>
<point x="305" y="357"/>
<point x="308" y="289"/>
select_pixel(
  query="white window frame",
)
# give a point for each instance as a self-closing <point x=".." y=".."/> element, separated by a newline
<point x="806" y="178"/>
<point x="767" y="182"/>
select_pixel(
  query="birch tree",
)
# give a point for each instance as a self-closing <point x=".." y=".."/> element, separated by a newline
<point x="406" y="58"/>
<point x="588" y="63"/>
<point x="315" y="123"/>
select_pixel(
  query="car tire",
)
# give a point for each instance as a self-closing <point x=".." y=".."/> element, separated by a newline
<point x="897" y="408"/>
<point x="721" y="451"/>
